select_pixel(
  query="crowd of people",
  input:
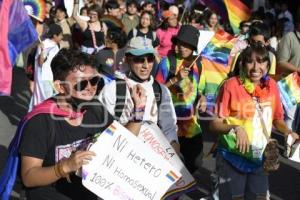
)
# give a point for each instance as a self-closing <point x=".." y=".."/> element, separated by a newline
<point x="137" y="62"/>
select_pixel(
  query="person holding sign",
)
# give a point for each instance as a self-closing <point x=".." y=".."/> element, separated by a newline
<point x="55" y="134"/>
<point x="140" y="56"/>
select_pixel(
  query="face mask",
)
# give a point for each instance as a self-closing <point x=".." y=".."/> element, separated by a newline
<point x="77" y="103"/>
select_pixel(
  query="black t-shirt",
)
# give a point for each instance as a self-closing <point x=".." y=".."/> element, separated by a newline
<point x="150" y="35"/>
<point x="47" y="138"/>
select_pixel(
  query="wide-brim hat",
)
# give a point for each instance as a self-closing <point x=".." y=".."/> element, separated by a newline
<point x="138" y="46"/>
<point x="187" y="34"/>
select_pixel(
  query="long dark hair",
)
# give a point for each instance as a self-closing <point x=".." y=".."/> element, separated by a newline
<point x="151" y="27"/>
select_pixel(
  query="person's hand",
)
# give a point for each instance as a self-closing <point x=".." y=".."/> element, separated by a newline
<point x="183" y="73"/>
<point x="176" y="147"/>
<point x="76" y="160"/>
<point x="242" y="142"/>
<point x="294" y="135"/>
<point x="138" y="95"/>
<point x="201" y="105"/>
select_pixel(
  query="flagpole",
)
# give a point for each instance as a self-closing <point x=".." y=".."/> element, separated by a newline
<point x="182" y="14"/>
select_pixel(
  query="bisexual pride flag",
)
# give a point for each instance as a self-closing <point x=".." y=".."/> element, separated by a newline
<point x="17" y="33"/>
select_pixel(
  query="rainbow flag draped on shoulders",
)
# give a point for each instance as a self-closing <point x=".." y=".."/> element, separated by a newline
<point x="216" y="64"/>
<point x="289" y="88"/>
<point x="17" y="33"/>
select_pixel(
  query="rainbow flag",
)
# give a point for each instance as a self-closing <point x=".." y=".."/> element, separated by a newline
<point x="110" y="130"/>
<point x="289" y="88"/>
<point x="172" y="176"/>
<point x="237" y="12"/>
<point x="218" y="49"/>
<point x="215" y="64"/>
<point x="17" y="33"/>
<point x="233" y="11"/>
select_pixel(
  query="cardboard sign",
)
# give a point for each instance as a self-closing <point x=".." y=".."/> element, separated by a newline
<point x="151" y="135"/>
<point x="126" y="168"/>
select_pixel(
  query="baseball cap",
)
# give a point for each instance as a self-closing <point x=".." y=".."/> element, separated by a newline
<point x="138" y="46"/>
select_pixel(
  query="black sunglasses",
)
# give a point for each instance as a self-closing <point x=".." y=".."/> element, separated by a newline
<point x="141" y="59"/>
<point x="84" y="83"/>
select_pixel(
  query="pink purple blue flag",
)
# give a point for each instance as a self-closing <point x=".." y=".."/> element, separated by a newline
<point x="17" y="33"/>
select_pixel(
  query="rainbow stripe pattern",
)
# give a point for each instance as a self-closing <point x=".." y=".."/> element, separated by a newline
<point x="172" y="176"/>
<point x="215" y="62"/>
<point x="184" y="96"/>
<point x="237" y="12"/>
<point x="110" y="130"/>
<point x="218" y="49"/>
<point x="289" y="88"/>
<point x="237" y="107"/>
<point x="36" y="8"/>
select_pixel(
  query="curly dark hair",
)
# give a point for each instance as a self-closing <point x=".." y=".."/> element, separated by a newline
<point x="117" y="36"/>
<point x="66" y="61"/>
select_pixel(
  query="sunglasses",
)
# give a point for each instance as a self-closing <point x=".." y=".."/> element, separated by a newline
<point x="142" y="59"/>
<point x="84" y="83"/>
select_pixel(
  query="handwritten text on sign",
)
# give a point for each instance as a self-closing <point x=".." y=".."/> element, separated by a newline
<point x="125" y="168"/>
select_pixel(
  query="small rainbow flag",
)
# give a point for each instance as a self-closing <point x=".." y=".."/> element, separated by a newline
<point x="218" y="49"/>
<point x="172" y="176"/>
<point x="237" y="12"/>
<point x="289" y="88"/>
<point x="111" y="129"/>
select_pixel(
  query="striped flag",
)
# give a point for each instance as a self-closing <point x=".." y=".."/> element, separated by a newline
<point x="237" y="12"/>
<point x="17" y="33"/>
<point x="234" y="11"/>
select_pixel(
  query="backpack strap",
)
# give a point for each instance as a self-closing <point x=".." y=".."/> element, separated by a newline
<point x="134" y="32"/>
<point x="157" y="93"/>
<point x="172" y="61"/>
<point x="154" y="35"/>
<point x="120" y="97"/>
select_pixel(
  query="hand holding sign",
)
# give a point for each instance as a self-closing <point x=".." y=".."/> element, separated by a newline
<point x="125" y="168"/>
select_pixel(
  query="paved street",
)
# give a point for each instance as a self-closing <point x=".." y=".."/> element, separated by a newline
<point x="284" y="183"/>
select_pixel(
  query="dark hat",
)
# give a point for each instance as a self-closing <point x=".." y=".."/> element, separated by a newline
<point x="54" y="29"/>
<point x="187" y="34"/>
<point x="297" y="19"/>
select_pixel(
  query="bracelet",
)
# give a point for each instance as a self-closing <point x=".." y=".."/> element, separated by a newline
<point x="56" y="171"/>
<point x="61" y="172"/>
<point x="141" y="109"/>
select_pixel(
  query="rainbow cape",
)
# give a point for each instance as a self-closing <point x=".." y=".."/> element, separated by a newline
<point x="184" y="95"/>
<point x="289" y="88"/>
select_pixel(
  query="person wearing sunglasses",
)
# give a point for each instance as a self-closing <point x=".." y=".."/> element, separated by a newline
<point x="55" y="134"/>
<point x="159" y="109"/>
